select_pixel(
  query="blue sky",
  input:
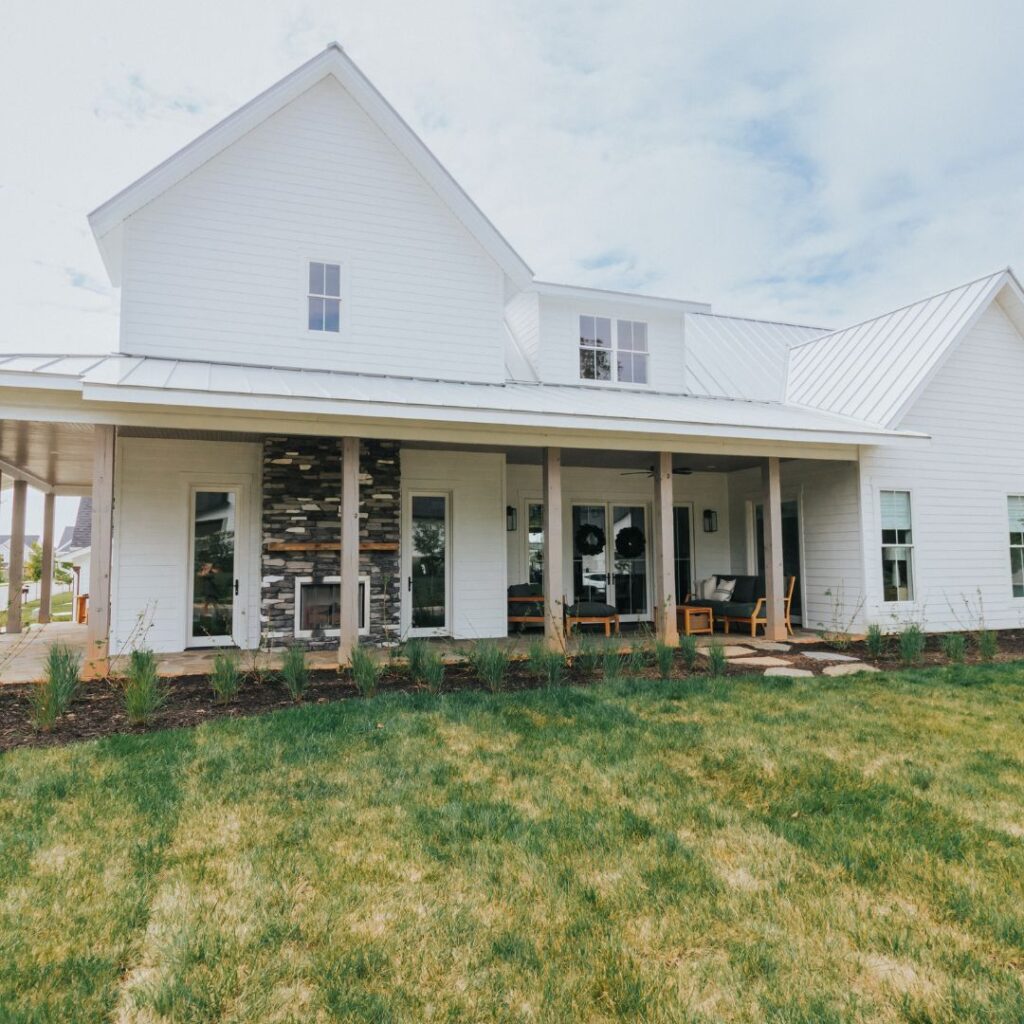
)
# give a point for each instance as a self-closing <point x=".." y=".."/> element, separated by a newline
<point x="807" y="161"/>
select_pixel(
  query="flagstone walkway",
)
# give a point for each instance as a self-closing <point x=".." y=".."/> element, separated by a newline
<point x="772" y="657"/>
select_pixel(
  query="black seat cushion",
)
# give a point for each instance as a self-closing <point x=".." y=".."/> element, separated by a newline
<point x="525" y="590"/>
<point x="591" y="609"/>
<point x="745" y="590"/>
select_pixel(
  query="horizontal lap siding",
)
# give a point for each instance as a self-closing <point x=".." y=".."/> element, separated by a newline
<point x="151" y="533"/>
<point x="215" y="266"/>
<point x="973" y="408"/>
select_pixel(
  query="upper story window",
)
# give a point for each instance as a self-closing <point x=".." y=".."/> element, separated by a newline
<point x="324" y="297"/>
<point x="613" y="350"/>
<point x="897" y="547"/>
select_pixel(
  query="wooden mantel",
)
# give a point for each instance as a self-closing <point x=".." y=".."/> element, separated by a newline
<point x="328" y="545"/>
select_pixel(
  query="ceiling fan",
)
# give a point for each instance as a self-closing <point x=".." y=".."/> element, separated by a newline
<point x="652" y="472"/>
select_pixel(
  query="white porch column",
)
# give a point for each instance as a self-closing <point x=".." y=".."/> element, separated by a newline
<point x="349" y="568"/>
<point x="774" y="579"/>
<point x="46" y="578"/>
<point x="16" y="569"/>
<point x="664" y="577"/>
<point x="97" y="658"/>
<point x="554" y="591"/>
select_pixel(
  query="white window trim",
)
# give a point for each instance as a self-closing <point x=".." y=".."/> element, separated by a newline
<point x="306" y="332"/>
<point x="915" y="578"/>
<point x="1013" y="547"/>
<point x="306" y="634"/>
<point x="614" y="382"/>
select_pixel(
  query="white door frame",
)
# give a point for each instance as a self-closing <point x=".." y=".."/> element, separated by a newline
<point x="406" y="611"/>
<point x="239" y="567"/>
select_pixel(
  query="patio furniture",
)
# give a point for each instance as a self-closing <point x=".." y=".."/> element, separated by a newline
<point x="592" y="613"/>
<point x="759" y="617"/>
<point x="525" y="605"/>
<point x="695" y="619"/>
<point x="746" y="607"/>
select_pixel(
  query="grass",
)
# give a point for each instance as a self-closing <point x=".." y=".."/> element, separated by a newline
<point x="60" y="608"/>
<point x="749" y="850"/>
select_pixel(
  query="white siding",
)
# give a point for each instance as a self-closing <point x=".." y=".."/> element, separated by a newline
<point x="832" y="578"/>
<point x="217" y="264"/>
<point x="594" y="486"/>
<point x="522" y="313"/>
<point x="559" y="340"/>
<point x="151" y="533"/>
<point x="476" y="485"/>
<point x="974" y="409"/>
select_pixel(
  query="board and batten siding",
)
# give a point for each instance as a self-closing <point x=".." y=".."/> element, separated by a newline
<point x="216" y="267"/>
<point x="475" y="483"/>
<point x="152" y="523"/>
<point x="973" y="408"/>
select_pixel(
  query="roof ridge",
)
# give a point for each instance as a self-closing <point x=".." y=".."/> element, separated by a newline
<point x="764" y="320"/>
<point x="905" y="306"/>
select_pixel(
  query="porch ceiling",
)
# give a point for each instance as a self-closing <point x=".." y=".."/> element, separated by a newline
<point x="48" y="455"/>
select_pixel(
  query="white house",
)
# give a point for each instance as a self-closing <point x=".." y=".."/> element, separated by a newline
<point x="332" y="367"/>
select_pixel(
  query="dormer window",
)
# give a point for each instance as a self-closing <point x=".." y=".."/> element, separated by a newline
<point x="324" y="297"/>
<point x="613" y="350"/>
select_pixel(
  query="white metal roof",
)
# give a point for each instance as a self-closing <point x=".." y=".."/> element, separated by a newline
<point x="737" y="357"/>
<point x="596" y="409"/>
<point x="873" y="370"/>
<point x="107" y="220"/>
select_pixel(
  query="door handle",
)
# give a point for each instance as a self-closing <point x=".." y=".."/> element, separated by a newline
<point x="236" y="588"/>
<point x="408" y="585"/>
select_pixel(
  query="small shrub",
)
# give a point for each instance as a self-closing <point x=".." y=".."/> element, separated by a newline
<point x="716" y="659"/>
<point x="664" y="656"/>
<point x="366" y="670"/>
<point x="142" y="691"/>
<point x="415" y="656"/>
<point x="226" y="677"/>
<point x="51" y="698"/>
<point x="637" y="658"/>
<point x="954" y="647"/>
<point x="875" y="641"/>
<point x="432" y="670"/>
<point x="588" y="657"/>
<point x="987" y="643"/>
<point x="546" y="665"/>
<point x="688" y="651"/>
<point x="911" y="644"/>
<point x="295" y="672"/>
<point x="611" y="663"/>
<point x="490" y="663"/>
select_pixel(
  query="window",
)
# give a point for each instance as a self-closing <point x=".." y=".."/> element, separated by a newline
<point x="535" y="542"/>
<point x="897" y="547"/>
<point x="681" y="535"/>
<point x="621" y="358"/>
<point x="324" y="297"/>
<point x="318" y="606"/>
<point x="1016" y="509"/>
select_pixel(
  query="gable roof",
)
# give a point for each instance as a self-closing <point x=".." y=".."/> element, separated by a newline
<point x="873" y="371"/>
<point x="107" y="221"/>
<point x="735" y="357"/>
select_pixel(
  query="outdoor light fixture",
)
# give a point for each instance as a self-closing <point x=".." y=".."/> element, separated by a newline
<point x="710" y="521"/>
<point x="510" y="518"/>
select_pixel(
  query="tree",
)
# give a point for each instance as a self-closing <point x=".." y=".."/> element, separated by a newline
<point x="63" y="573"/>
<point x="3" y="570"/>
<point x="34" y="563"/>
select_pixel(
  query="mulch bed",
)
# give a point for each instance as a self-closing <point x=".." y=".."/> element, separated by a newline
<point x="97" y="711"/>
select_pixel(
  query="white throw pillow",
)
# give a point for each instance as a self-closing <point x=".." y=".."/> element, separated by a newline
<point x="723" y="592"/>
<point x="707" y="587"/>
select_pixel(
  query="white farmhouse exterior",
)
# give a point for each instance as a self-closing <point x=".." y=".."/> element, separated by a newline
<point x="342" y="409"/>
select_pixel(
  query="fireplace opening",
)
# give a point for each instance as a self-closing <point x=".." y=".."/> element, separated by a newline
<point x="318" y="606"/>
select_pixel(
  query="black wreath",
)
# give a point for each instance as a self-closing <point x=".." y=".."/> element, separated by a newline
<point x="590" y="540"/>
<point x="630" y="542"/>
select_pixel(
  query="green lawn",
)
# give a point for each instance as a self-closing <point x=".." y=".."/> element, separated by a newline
<point x="60" y="608"/>
<point x="815" y="851"/>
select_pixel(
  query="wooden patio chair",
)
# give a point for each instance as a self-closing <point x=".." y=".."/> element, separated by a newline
<point x="759" y="617"/>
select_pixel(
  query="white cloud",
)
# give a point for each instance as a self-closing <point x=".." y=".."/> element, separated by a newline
<point x="819" y="162"/>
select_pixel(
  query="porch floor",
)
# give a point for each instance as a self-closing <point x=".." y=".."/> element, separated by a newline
<point x="23" y="656"/>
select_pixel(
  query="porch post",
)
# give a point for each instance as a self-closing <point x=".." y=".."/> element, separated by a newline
<point x="349" y="568"/>
<point x="16" y="570"/>
<point x="46" y="578"/>
<point x="664" y="577"/>
<point x="97" y="659"/>
<point x="554" y="612"/>
<point x="773" y="571"/>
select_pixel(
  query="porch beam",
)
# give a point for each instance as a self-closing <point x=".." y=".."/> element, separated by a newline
<point x="46" y="576"/>
<point x="15" y="472"/>
<point x="349" y="567"/>
<point x="771" y="481"/>
<point x="664" y="578"/>
<point x="554" y="590"/>
<point x="16" y="569"/>
<point x="97" y="658"/>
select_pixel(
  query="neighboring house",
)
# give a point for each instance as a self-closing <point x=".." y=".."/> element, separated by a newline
<point x="74" y="547"/>
<point x="322" y="338"/>
<point x="5" y="547"/>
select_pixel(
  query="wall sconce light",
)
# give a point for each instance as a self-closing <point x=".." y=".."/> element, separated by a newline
<point x="710" y="521"/>
<point x="511" y="518"/>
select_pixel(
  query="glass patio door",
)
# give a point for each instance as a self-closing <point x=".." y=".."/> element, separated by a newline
<point x="611" y="565"/>
<point x="214" y="577"/>
<point x="428" y="568"/>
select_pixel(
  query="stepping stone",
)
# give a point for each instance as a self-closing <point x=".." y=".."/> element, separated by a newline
<point x="827" y="656"/>
<point x="771" y="645"/>
<point x="850" y="669"/>
<point x="731" y="650"/>
<point x="794" y="673"/>
<point x="764" y="661"/>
